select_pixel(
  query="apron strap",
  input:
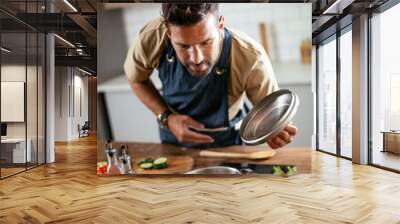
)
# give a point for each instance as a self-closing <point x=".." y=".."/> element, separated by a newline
<point x="170" y="54"/>
<point x="223" y="65"/>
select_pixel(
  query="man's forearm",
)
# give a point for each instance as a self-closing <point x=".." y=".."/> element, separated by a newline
<point x="149" y="95"/>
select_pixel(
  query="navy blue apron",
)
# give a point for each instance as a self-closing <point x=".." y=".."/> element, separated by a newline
<point x="205" y="99"/>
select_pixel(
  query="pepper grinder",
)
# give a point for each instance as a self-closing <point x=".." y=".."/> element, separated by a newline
<point x="125" y="161"/>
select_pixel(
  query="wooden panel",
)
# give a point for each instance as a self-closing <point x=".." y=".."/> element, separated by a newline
<point x="262" y="28"/>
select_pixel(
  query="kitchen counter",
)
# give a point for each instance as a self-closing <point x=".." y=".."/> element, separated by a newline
<point x="297" y="156"/>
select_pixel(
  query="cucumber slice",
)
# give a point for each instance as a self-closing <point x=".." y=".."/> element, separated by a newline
<point x="160" y="160"/>
<point x="160" y="163"/>
<point x="277" y="170"/>
<point x="284" y="169"/>
<point x="160" y="166"/>
<point x="292" y="170"/>
<point x="146" y="165"/>
<point x="146" y="160"/>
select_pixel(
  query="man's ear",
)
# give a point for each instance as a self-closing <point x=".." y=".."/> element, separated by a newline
<point x="168" y="32"/>
<point x="221" y="22"/>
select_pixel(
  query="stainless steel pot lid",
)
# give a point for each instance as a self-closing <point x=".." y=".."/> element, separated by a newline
<point x="269" y="117"/>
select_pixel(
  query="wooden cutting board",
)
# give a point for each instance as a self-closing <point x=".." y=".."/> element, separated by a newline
<point x="175" y="165"/>
<point x="257" y="155"/>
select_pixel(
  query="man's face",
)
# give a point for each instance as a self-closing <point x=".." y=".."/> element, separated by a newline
<point x="198" y="46"/>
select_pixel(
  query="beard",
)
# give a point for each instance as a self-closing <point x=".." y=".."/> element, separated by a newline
<point x="199" y="70"/>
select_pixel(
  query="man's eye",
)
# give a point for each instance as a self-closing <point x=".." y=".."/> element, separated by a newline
<point x="206" y="43"/>
<point x="185" y="46"/>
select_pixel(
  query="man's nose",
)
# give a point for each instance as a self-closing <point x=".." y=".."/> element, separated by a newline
<point x="196" y="55"/>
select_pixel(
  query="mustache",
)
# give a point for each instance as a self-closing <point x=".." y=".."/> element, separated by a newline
<point x="201" y="63"/>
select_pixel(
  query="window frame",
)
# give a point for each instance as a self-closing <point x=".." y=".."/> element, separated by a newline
<point x="333" y="37"/>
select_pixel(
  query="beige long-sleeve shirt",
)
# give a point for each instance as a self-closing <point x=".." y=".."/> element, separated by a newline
<point x="251" y="71"/>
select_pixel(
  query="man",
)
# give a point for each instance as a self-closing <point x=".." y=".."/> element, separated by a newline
<point x="205" y="70"/>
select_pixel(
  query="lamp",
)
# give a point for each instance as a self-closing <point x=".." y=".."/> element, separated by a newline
<point x="70" y="5"/>
<point x="5" y="50"/>
<point x="64" y="40"/>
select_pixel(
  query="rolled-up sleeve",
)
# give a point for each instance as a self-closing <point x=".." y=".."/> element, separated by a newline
<point x="144" y="55"/>
<point x="137" y="65"/>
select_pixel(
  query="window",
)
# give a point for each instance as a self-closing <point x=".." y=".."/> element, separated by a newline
<point x="327" y="97"/>
<point x="22" y="80"/>
<point x="346" y="94"/>
<point x="385" y="89"/>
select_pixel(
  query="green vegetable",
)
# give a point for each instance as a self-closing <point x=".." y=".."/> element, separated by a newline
<point x="160" y="166"/>
<point x="292" y="170"/>
<point x="149" y="163"/>
<point x="146" y="165"/>
<point x="160" y="160"/>
<point x="146" y="160"/>
<point x="160" y="163"/>
<point x="277" y="170"/>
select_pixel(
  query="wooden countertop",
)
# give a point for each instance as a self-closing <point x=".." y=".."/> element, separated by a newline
<point x="298" y="156"/>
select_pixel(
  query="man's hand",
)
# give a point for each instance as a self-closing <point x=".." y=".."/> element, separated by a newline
<point x="179" y="126"/>
<point x="283" y="138"/>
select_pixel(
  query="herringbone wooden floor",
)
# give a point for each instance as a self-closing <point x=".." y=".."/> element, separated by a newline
<point x="69" y="191"/>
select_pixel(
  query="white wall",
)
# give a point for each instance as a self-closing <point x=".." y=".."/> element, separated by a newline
<point x="80" y="103"/>
<point x="67" y="114"/>
<point x="61" y="103"/>
<point x="287" y="24"/>
<point x="85" y="98"/>
<point x="303" y="119"/>
<point x="111" y="54"/>
<point x="131" y="121"/>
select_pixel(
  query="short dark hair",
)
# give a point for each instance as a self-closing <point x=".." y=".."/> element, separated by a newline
<point x="187" y="14"/>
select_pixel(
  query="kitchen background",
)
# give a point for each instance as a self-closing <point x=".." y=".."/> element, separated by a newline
<point x="283" y="29"/>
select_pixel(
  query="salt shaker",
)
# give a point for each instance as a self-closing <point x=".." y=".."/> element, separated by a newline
<point x="125" y="161"/>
